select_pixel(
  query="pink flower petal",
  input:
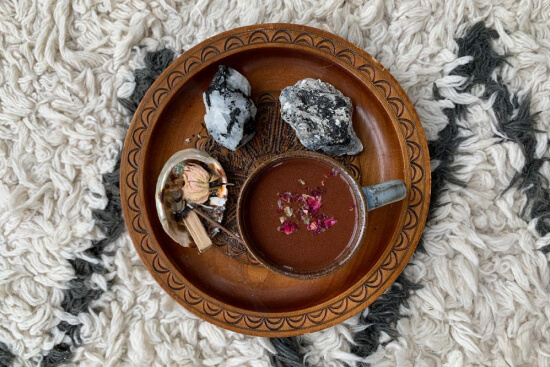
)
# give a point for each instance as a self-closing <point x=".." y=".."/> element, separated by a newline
<point x="305" y="207"/>
<point x="313" y="225"/>
<point x="314" y="204"/>
<point x="298" y="198"/>
<point x="286" y="196"/>
<point x="329" y="222"/>
<point x="318" y="191"/>
<point x="288" y="227"/>
<point x="333" y="172"/>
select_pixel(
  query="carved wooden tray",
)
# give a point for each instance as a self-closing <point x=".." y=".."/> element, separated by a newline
<point x="225" y="285"/>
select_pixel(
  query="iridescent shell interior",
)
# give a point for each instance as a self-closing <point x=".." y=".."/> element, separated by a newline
<point x="170" y="180"/>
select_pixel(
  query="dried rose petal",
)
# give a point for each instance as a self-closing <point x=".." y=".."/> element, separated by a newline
<point x="318" y="191"/>
<point x="305" y="206"/>
<point x="286" y="196"/>
<point x="313" y="226"/>
<point x="327" y="223"/>
<point x="298" y="198"/>
<point x="314" y="204"/>
<point x="333" y="172"/>
<point x="288" y="227"/>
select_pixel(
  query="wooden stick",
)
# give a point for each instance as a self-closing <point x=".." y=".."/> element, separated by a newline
<point x="216" y="224"/>
<point x="196" y="229"/>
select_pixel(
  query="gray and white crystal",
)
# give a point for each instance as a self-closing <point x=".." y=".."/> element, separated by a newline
<point x="230" y="111"/>
<point x="321" y="116"/>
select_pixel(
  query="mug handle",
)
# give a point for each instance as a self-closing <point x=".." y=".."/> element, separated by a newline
<point x="384" y="193"/>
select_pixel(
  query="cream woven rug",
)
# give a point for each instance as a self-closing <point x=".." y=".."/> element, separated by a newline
<point x="72" y="289"/>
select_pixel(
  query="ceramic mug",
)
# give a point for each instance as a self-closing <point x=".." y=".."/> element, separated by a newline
<point x="306" y="254"/>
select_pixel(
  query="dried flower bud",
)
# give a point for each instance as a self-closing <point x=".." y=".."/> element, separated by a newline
<point x="197" y="183"/>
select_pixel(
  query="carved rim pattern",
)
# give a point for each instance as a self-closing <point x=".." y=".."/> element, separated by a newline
<point x="377" y="280"/>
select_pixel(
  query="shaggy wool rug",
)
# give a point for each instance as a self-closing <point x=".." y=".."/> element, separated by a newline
<point x="74" y="291"/>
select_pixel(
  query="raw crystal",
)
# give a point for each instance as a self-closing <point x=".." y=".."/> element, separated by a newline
<point x="230" y="111"/>
<point x="321" y="116"/>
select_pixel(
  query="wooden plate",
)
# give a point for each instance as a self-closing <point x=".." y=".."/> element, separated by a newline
<point x="225" y="285"/>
